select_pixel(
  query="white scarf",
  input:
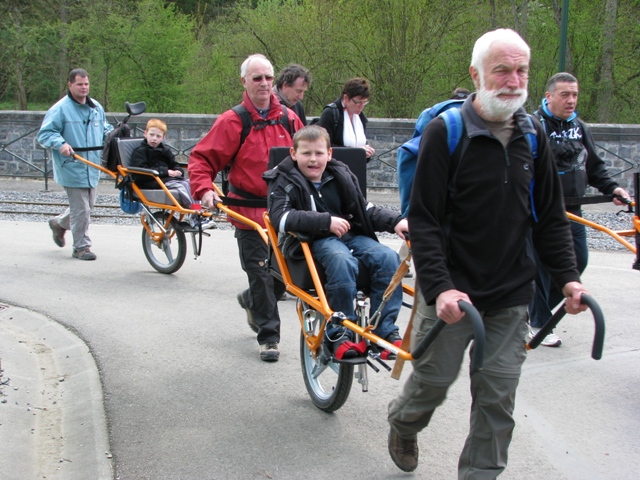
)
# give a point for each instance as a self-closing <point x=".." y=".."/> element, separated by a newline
<point x="353" y="133"/>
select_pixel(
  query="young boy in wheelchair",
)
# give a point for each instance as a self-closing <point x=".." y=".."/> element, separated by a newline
<point x="152" y="153"/>
<point x="311" y="193"/>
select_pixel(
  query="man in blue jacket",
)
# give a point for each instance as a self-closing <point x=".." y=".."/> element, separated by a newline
<point x="76" y="123"/>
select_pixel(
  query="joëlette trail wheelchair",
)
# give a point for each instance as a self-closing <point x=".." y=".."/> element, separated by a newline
<point x="165" y="222"/>
<point x="329" y="380"/>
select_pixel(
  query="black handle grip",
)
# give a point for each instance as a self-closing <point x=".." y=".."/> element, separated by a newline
<point x="598" y="317"/>
<point x="478" y="336"/>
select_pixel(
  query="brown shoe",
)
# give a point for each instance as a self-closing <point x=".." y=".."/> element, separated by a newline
<point x="244" y="304"/>
<point x="84" y="254"/>
<point x="404" y="453"/>
<point x="58" y="232"/>
<point x="269" y="352"/>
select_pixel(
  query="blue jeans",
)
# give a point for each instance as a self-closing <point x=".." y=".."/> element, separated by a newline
<point x="339" y="258"/>
<point x="548" y="295"/>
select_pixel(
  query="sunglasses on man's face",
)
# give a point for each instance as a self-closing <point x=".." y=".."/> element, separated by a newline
<point x="360" y="102"/>
<point x="258" y="78"/>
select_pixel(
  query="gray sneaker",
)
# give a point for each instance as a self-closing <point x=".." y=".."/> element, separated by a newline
<point x="84" y="254"/>
<point x="244" y="304"/>
<point x="269" y="352"/>
<point x="58" y="232"/>
<point x="404" y="453"/>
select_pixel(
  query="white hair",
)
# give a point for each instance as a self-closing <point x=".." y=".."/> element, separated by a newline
<point x="501" y="35"/>
<point x="252" y="58"/>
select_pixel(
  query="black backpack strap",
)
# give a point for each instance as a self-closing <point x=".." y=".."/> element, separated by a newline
<point x="335" y="114"/>
<point x="249" y="200"/>
<point x="245" y="116"/>
<point x="540" y="117"/>
<point x="285" y="121"/>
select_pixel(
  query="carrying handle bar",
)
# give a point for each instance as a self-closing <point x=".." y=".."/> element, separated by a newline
<point x="478" y="336"/>
<point x="598" y="317"/>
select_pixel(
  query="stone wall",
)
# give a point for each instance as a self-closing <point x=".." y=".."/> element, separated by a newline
<point x="20" y="155"/>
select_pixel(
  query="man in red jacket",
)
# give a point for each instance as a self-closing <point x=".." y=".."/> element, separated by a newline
<point x="272" y="126"/>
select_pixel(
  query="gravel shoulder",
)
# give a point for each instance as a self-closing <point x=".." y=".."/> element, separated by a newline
<point x="28" y="190"/>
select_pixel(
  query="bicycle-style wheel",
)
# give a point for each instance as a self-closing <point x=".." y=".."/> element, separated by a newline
<point x="328" y="382"/>
<point x="165" y="251"/>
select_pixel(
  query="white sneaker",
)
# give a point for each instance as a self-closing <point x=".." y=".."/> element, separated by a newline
<point x="551" y="340"/>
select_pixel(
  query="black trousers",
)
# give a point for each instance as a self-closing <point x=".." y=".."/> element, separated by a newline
<point x="264" y="290"/>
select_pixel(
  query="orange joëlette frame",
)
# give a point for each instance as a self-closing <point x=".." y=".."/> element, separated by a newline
<point x="318" y="302"/>
<point x="174" y="206"/>
<point x="617" y="235"/>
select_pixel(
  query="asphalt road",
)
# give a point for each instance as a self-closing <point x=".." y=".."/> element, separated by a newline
<point x="186" y="396"/>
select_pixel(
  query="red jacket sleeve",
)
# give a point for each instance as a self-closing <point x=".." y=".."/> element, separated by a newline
<point x="214" y="152"/>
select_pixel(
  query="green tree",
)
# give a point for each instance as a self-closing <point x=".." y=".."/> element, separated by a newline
<point x="29" y="54"/>
<point x="184" y="55"/>
<point x="159" y="56"/>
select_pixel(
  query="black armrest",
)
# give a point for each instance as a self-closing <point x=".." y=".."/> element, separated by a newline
<point x="143" y="171"/>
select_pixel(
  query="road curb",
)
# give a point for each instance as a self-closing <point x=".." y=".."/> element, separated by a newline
<point x="52" y="406"/>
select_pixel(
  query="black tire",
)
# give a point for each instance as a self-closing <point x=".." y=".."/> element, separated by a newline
<point x="168" y="253"/>
<point x="328" y="382"/>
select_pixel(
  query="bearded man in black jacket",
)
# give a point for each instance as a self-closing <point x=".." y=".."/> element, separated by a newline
<point x="470" y="217"/>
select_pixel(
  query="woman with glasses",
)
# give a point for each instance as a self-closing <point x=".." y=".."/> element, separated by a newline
<point x="344" y="118"/>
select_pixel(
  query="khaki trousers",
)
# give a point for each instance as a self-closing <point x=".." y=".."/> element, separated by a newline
<point x="493" y="389"/>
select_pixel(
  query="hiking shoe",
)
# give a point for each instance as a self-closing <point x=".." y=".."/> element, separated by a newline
<point x="404" y="453"/>
<point x="84" y="254"/>
<point x="269" y="352"/>
<point x="244" y="304"/>
<point x="551" y="340"/>
<point x="58" y="232"/>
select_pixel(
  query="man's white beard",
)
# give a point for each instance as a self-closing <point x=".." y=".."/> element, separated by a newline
<point x="497" y="109"/>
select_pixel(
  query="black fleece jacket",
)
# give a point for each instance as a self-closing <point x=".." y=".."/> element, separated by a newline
<point x="475" y="240"/>
<point x="160" y="158"/>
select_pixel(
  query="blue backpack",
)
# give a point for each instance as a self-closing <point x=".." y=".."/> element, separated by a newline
<point x="449" y="111"/>
<point x="408" y="151"/>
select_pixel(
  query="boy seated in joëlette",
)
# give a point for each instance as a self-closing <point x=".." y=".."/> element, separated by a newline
<point x="152" y="153"/>
<point x="309" y="192"/>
